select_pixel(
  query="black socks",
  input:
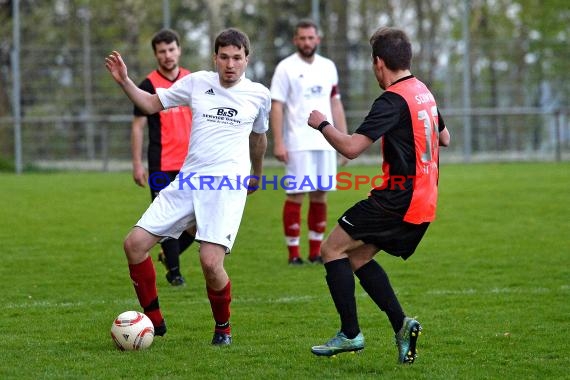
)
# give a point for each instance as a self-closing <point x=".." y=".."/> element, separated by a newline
<point x="340" y="280"/>
<point x="374" y="281"/>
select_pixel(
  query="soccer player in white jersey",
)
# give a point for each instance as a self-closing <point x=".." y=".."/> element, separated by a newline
<point x="302" y="82"/>
<point x="228" y="141"/>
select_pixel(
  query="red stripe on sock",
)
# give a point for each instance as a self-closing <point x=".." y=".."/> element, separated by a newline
<point x="317" y="219"/>
<point x="292" y="225"/>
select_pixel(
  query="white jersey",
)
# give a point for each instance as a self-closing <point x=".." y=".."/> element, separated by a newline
<point x="222" y="119"/>
<point x="303" y="87"/>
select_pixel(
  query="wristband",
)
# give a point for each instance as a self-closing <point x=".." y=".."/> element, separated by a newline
<point x="322" y="125"/>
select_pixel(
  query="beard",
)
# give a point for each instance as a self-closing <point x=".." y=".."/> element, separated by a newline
<point x="170" y="66"/>
<point x="307" y="52"/>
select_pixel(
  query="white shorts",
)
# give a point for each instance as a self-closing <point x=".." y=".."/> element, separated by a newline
<point x="216" y="212"/>
<point x="311" y="170"/>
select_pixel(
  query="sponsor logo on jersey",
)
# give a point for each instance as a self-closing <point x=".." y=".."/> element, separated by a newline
<point x="225" y="111"/>
<point x="313" y="91"/>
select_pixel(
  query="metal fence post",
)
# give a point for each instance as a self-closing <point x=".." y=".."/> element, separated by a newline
<point x="16" y="105"/>
<point x="557" y="135"/>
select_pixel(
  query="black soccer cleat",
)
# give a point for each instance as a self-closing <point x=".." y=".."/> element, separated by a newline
<point x="221" y="339"/>
<point x="160" y="330"/>
<point x="175" y="280"/>
<point x="296" y="261"/>
<point x="316" y="260"/>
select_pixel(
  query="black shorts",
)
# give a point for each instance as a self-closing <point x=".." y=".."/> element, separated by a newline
<point x="369" y="222"/>
<point x="159" y="180"/>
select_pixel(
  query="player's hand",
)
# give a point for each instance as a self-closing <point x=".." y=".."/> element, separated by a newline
<point x="253" y="184"/>
<point x="280" y="153"/>
<point x="140" y="176"/>
<point x="316" y="118"/>
<point x="116" y="66"/>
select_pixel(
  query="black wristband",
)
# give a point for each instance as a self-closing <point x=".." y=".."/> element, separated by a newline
<point x="322" y="125"/>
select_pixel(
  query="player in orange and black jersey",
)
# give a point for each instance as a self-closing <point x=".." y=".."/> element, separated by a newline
<point x="396" y="214"/>
<point x="168" y="137"/>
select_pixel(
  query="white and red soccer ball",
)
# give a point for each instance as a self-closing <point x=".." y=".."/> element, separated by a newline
<point x="132" y="330"/>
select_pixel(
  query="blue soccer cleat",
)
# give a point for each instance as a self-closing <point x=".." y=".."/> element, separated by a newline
<point x="339" y="343"/>
<point x="406" y="340"/>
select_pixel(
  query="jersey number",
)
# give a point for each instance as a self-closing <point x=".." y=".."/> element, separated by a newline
<point x="431" y="130"/>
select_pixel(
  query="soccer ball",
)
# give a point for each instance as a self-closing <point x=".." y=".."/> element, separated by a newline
<point x="132" y="330"/>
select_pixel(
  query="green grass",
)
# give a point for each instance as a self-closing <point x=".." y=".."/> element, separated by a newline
<point x="490" y="283"/>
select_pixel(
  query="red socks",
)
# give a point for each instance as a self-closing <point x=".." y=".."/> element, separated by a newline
<point x="220" y="304"/>
<point x="317" y="225"/>
<point x="292" y="227"/>
<point x="143" y="276"/>
<point x="317" y="220"/>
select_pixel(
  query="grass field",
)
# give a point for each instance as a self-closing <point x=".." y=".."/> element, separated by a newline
<point x="490" y="283"/>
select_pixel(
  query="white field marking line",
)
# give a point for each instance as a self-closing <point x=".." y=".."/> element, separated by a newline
<point x="515" y="290"/>
<point x="133" y="302"/>
<point x="280" y="300"/>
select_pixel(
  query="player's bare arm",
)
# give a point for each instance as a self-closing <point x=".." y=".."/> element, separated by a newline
<point x="148" y="103"/>
<point x="339" y="118"/>
<point x="339" y="121"/>
<point x="444" y="137"/>
<point x="350" y="146"/>
<point x="140" y="175"/>
<point x="257" y="148"/>
<point x="276" y="122"/>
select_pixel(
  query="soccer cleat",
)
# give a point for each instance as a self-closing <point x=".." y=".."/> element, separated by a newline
<point x="221" y="339"/>
<point x="160" y="330"/>
<point x="406" y="340"/>
<point x="296" y="261"/>
<point x="316" y="260"/>
<point x="175" y="280"/>
<point x="339" y="343"/>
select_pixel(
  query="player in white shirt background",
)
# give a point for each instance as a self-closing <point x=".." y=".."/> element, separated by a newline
<point x="302" y="82"/>
<point x="229" y="122"/>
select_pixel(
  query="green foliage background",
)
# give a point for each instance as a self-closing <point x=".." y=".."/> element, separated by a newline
<point x="72" y="110"/>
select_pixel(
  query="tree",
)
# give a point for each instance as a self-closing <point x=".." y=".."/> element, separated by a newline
<point x="519" y="54"/>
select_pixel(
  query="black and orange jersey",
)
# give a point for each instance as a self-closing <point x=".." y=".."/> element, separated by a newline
<point x="169" y="130"/>
<point x="406" y="117"/>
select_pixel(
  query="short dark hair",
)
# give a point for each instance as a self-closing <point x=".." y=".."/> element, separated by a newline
<point x="306" y="23"/>
<point x="393" y="46"/>
<point x="232" y="37"/>
<point x="165" y="35"/>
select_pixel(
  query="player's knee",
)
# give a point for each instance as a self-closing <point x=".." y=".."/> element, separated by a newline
<point x="135" y="254"/>
<point x="211" y="266"/>
<point x="127" y="245"/>
<point x="212" y="273"/>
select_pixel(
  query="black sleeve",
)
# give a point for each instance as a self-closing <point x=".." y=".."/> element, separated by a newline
<point x="441" y="123"/>
<point x="385" y="114"/>
<point x="147" y="86"/>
